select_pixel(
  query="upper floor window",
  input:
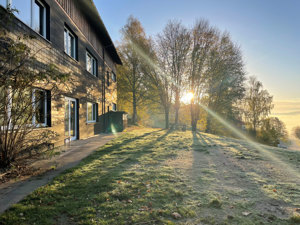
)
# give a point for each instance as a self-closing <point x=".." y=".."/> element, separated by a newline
<point x="107" y="78"/>
<point x="114" y="77"/>
<point x="70" y="43"/>
<point x="34" y="13"/>
<point x="114" y="107"/>
<point x="91" y="64"/>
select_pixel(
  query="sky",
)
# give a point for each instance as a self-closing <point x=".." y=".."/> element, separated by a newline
<point x="268" y="32"/>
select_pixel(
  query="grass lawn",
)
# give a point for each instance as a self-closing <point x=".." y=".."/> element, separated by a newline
<point x="151" y="176"/>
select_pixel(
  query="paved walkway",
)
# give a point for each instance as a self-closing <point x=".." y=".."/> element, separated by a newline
<point x="14" y="191"/>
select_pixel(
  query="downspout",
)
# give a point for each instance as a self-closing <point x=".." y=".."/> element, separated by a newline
<point x="103" y="89"/>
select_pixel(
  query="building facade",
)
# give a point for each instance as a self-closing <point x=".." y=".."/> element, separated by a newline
<point x="71" y="35"/>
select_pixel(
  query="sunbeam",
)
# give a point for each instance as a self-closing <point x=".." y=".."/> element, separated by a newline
<point x="229" y="126"/>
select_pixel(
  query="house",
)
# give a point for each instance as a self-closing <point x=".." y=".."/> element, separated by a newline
<point x="71" y="35"/>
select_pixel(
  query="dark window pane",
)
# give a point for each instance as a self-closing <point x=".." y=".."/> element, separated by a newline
<point x="94" y="112"/>
<point x="107" y="78"/>
<point x="40" y="98"/>
<point x="73" y="117"/>
<point x="95" y="68"/>
<point x="72" y="45"/>
<point x="24" y="10"/>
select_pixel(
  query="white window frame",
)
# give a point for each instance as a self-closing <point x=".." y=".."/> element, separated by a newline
<point x="9" y="96"/>
<point x="68" y="50"/>
<point x="94" y="64"/>
<point x="44" y="22"/>
<point x="114" y="77"/>
<point x="94" y="117"/>
<point x="72" y="138"/>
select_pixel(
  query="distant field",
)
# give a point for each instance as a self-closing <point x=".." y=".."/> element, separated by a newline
<point x="289" y="113"/>
<point x="152" y="176"/>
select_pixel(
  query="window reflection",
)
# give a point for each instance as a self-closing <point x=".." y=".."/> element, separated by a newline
<point x="23" y="8"/>
<point x="3" y="3"/>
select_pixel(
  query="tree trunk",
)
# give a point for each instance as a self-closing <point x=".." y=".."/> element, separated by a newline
<point x="167" y="117"/>
<point x="193" y="117"/>
<point x="176" y="116"/>
<point x="208" y="124"/>
<point x="134" y="109"/>
<point x="194" y="125"/>
<point x="177" y="106"/>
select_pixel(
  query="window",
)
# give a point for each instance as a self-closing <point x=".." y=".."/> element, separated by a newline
<point x="37" y="114"/>
<point x="114" y="77"/>
<point x="34" y="13"/>
<point x="107" y="78"/>
<point x="70" y="43"/>
<point x="91" y="64"/>
<point x="40" y="107"/>
<point x="91" y="112"/>
<point x="39" y="19"/>
<point x="114" y="107"/>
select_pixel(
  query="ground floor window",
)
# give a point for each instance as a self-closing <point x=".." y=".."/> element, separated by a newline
<point x="25" y="106"/>
<point x="91" y="112"/>
<point x="40" y="107"/>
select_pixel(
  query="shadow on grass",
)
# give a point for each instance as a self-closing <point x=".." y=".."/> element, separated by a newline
<point x="240" y="178"/>
<point x="88" y="190"/>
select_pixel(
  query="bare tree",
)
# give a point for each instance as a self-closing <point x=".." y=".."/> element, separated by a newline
<point x="160" y="83"/>
<point x="257" y="104"/>
<point x="21" y="98"/>
<point x="203" y="39"/>
<point x="174" y="44"/>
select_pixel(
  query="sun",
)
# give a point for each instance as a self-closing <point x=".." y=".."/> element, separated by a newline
<point x="187" y="97"/>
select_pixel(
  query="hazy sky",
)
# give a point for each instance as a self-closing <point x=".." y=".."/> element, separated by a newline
<point x="268" y="32"/>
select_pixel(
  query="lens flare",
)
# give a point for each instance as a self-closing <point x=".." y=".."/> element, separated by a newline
<point x="187" y="97"/>
<point x="113" y="130"/>
<point x="257" y="146"/>
<point x="267" y="154"/>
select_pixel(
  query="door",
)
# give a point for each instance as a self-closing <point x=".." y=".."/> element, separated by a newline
<point x="71" y="118"/>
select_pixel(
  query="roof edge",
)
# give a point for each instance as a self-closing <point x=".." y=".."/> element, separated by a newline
<point x="90" y="10"/>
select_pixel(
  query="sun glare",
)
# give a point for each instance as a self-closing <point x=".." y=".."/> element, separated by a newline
<point x="187" y="97"/>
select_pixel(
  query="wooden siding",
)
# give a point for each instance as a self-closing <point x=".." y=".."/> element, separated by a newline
<point x="81" y="22"/>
